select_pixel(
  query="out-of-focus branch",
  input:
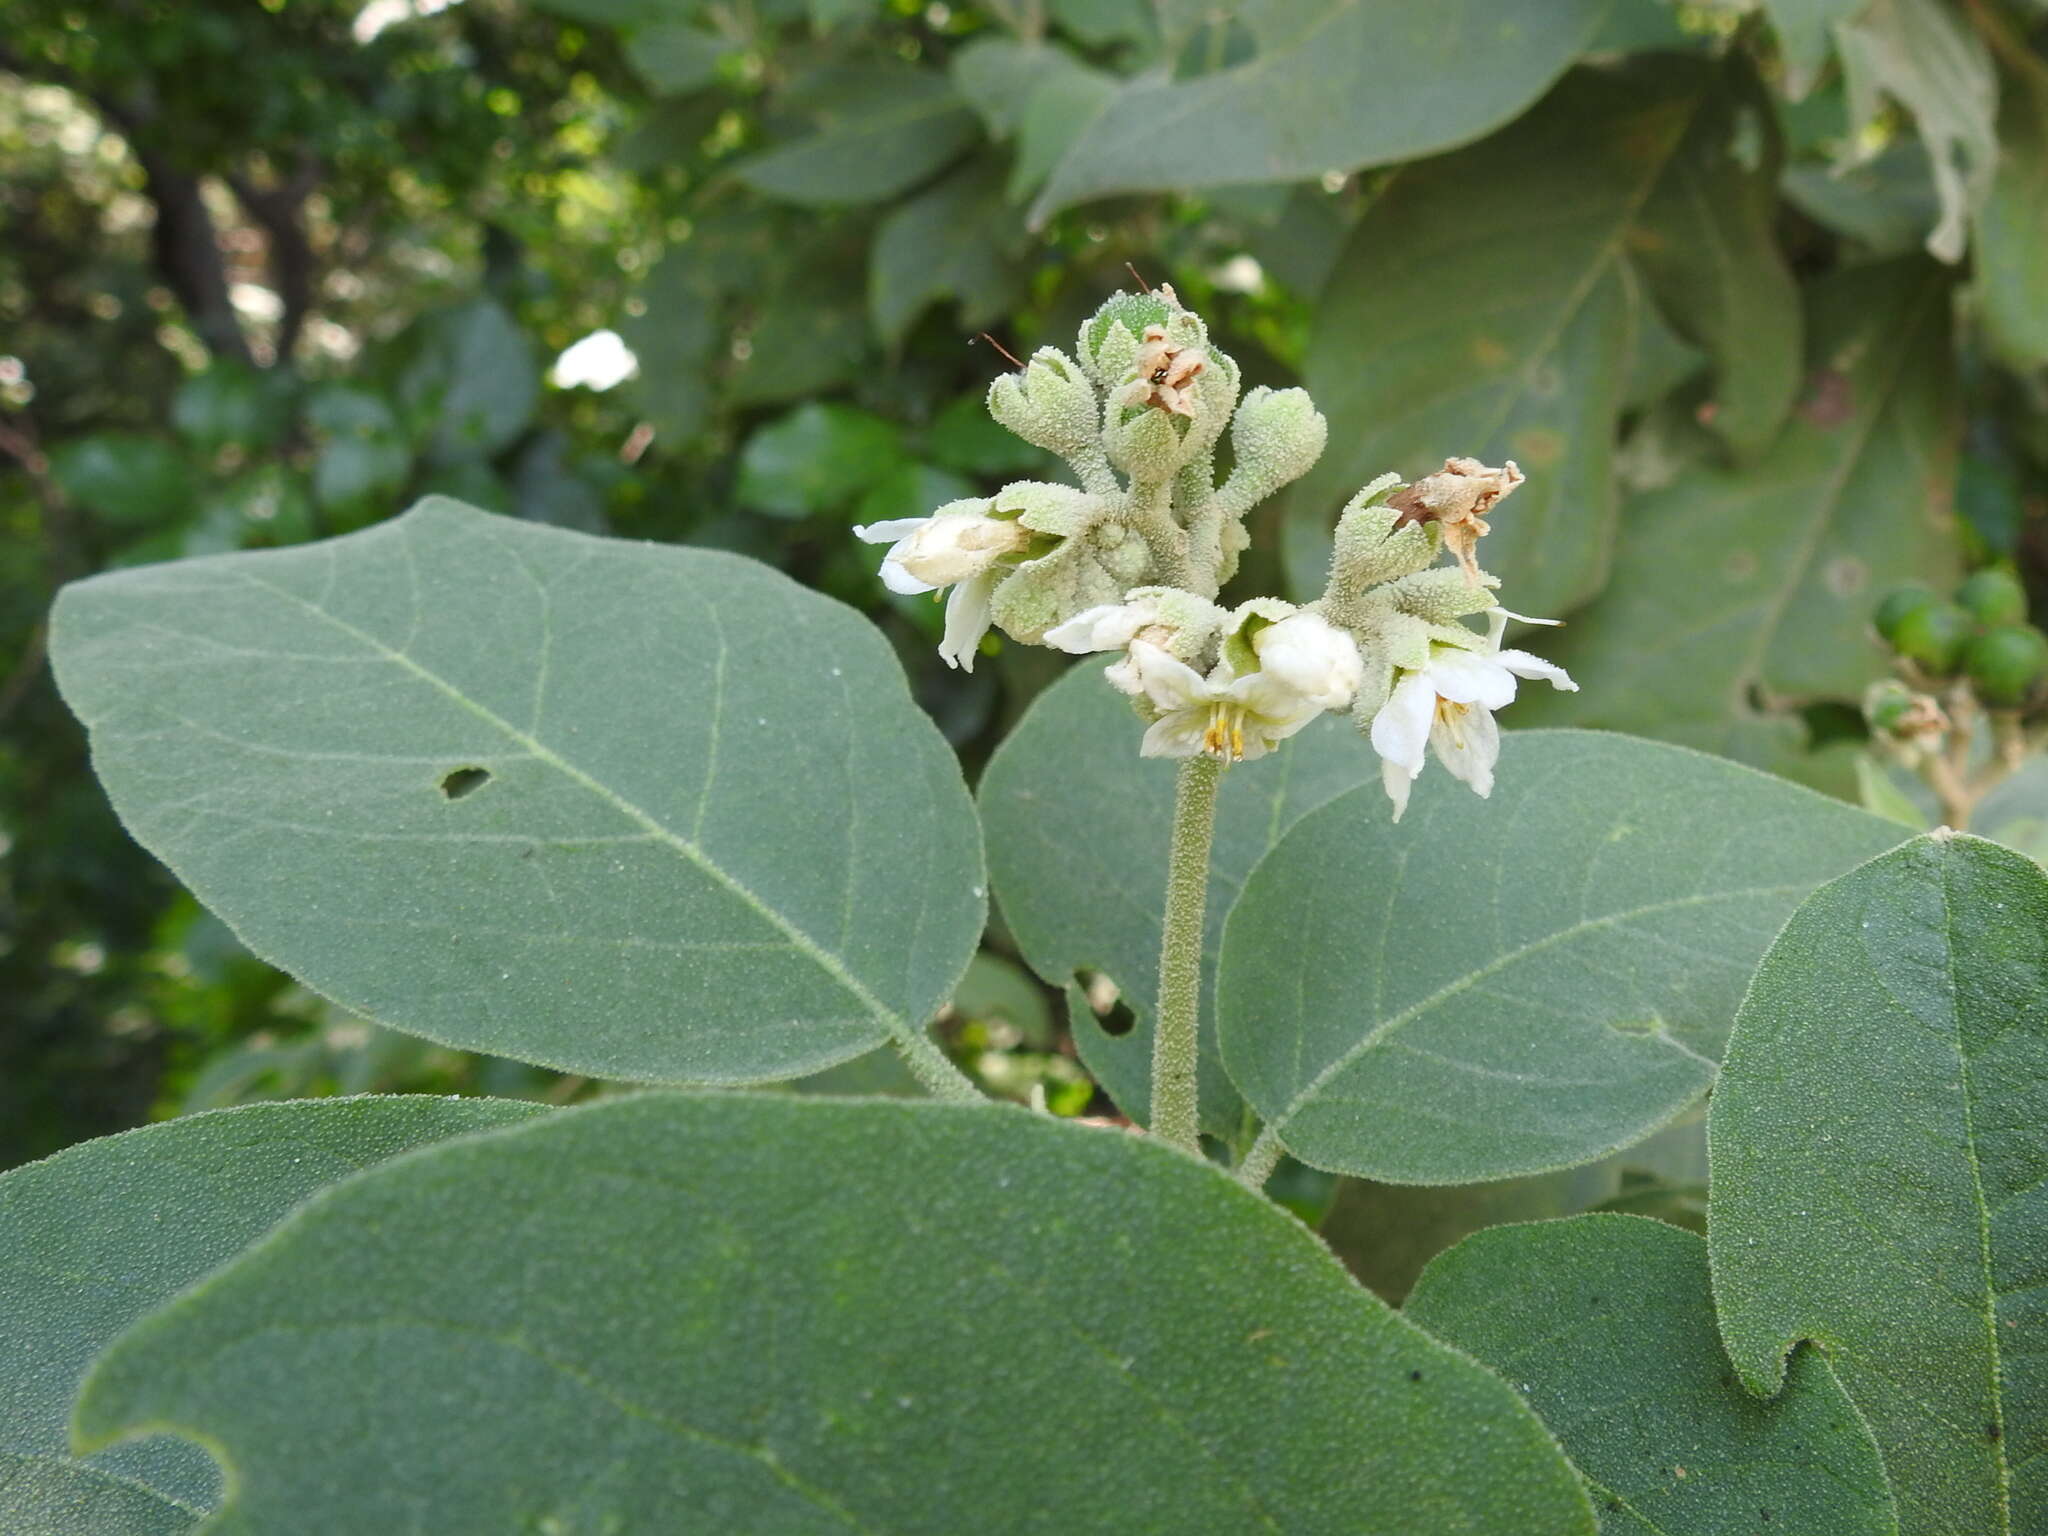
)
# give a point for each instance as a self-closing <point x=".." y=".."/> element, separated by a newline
<point x="293" y="266"/>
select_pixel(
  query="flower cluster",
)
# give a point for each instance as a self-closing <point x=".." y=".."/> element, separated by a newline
<point x="1132" y="559"/>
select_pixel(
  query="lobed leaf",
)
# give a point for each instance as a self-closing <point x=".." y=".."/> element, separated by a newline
<point x="647" y="813"/>
<point x="778" y="1315"/>
<point x="1500" y="987"/>
<point x="1880" y="1183"/>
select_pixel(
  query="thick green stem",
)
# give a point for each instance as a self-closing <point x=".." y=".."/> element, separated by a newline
<point x="1175" y="1050"/>
<point x="1261" y="1160"/>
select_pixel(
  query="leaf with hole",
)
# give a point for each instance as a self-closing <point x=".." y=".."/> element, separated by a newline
<point x="1880" y="1183"/>
<point x="1078" y="828"/>
<point x="717" y="841"/>
<point x="1500" y="987"/>
<point x="100" y="1234"/>
<point x="1606" y="1323"/>
<point x="610" y="1320"/>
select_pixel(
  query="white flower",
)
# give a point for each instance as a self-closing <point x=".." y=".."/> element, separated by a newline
<point x="958" y="546"/>
<point x="1231" y="719"/>
<point x="1309" y="654"/>
<point x="1105" y="627"/>
<point x="1449" y="705"/>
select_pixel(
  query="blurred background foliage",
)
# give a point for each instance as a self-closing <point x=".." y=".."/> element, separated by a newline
<point x="1755" y="292"/>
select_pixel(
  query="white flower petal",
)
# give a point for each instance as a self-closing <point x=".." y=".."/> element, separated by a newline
<point x="1396" y="779"/>
<point x="889" y="532"/>
<point x="1170" y="683"/>
<point x="1464" y="677"/>
<point x="1467" y="743"/>
<point x="1309" y="654"/>
<point x="1123" y="677"/>
<point x="1176" y="734"/>
<point x="897" y="579"/>
<point x="1106" y="627"/>
<point x="1400" y="731"/>
<point x="1522" y="664"/>
<point x="967" y="620"/>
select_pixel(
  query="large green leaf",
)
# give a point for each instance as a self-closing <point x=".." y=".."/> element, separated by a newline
<point x="1334" y="85"/>
<point x="954" y="240"/>
<point x="103" y="1232"/>
<point x="1880" y="1179"/>
<point x="1736" y="589"/>
<point x="779" y="1316"/>
<point x="641" y="812"/>
<point x="2012" y="279"/>
<point x="1607" y="1325"/>
<point x="1499" y="987"/>
<point x="876" y="132"/>
<point x="1804" y="30"/>
<point x="1078" y="827"/>
<point x="1484" y="307"/>
<point x="473" y="375"/>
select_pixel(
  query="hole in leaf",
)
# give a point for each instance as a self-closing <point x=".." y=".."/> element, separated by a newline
<point x="1106" y="1002"/>
<point x="465" y="781"/>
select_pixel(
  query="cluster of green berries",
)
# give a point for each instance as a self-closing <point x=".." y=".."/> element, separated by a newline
<point x="1980" y="635"/>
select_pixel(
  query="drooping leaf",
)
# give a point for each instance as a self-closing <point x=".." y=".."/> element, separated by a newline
<point x="1880" y="1181"/>
<point x="363" y="453"/>
<point x="230" y="403"/>
<point x="474" y="376"/>
<point x="125" y="477"/>
<point x="1036" y="94"/>
<point x="1606" y="1323"/>
<point x="1483" y="308"/>
<point x="95" y="1237"/>
<point x="674" y="340"/>
<point x="1500" y="987"/>
<point x="642" y="812"/>
<point x="1805" y="37"/>
<point x="2012" y="279"/>
<point x="876" y="132"/>
<point x="1852" y="499"/>
<point x="1333" y="86"/>
<point x="1078" y="827"/>
<point x="818" y="458"/>
<point x="611" y="1319"/>
<point x="954" y="240"/>
<point x="674" y="57"/>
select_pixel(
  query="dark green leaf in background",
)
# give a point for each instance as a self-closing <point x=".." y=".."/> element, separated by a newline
<point x="95" y="1237"/>
<point x="780" y="1316"/>
<point x="954" y="240"/>
<point x="1880" y="1181"/>
<point x="818" y="458"/>
<point x="1500" y="987"/>
<point x="1335" y="85"/>
<point x="879" y="131"/>
<point x="2011" y="230"/>
<point x="1736" y="589"/>
<point x="1078" y="826"/>
<point x="474" y="376"/>
<point x="125" y="477"/>
<point x="1606" y="1324"/>
<point x="1483" y="308"/>
<point x="1034" y="94"/>
<point x="642" y="812"/>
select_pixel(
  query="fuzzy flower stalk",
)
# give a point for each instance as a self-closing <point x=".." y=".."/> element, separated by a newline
<point x="1132" y="559"/>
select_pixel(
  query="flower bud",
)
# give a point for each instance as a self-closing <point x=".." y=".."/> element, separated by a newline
<point x="1933" y="637"/>
<point x="1899" y="714"/>
<point x="2007" y="665"/>
<point x="1278" y="435"/>
<point x="1372" y="545"/>
<point x="1110" y="338"/>
<point x="1148" y="446"/>
<point x="1441" y="595"/>
<point x="1993" y="596"/>
<point x="1050" y="404"/>
<point x="957" y="542"/>
<point x="1309" y="654"/>
<point x="1898" y="605"/>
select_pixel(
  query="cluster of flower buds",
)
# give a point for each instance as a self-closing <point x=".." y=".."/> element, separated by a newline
<point x="1133" y="560"/>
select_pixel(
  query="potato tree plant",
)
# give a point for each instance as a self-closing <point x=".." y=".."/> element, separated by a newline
<point x="664" y="816"/>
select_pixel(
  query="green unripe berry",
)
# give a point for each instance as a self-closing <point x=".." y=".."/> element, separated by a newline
<point x="1933" y="637"/>
<point x="1897" y="605"/>
<point x="2007" y="665"/>
<point x="1993" y="596"/>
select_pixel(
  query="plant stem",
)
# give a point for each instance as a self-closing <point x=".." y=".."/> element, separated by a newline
<point x="934" y="1069"/>
<point x="1259" y="1163"/>
<point x="1175" y="1107"/>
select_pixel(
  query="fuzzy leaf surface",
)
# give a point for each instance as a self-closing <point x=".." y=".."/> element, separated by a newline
<point x="1880" y="1182"/>
<point x="613" y="1320"/>
<point x="648" y="813"/>
<point x="103" y="1232"/>
<point x="1607" y="1325"/>
<point x="1501" y="987"/>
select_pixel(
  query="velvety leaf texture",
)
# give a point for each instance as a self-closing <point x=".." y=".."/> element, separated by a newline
<point x="768" y="1316"/>
<point x="1485" y="307"/>
<point x="1078" y="827"/>
<point x="1504" y="986"/>
<point x="95" y="1237"/>
<point x="642" y="812"/>
<point x="1880" y="1181"/>
<point x="1853" y="498"/>
<point x="1334" y="85"/>
<point x="1606" y="1324"/>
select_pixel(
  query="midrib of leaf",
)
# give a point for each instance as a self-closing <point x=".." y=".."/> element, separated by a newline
<point x="1825" y="508"/>
<point x="1998" y="1451"/>
<point x="1371" y="1039"/>
<point x="898" y="1027"/>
